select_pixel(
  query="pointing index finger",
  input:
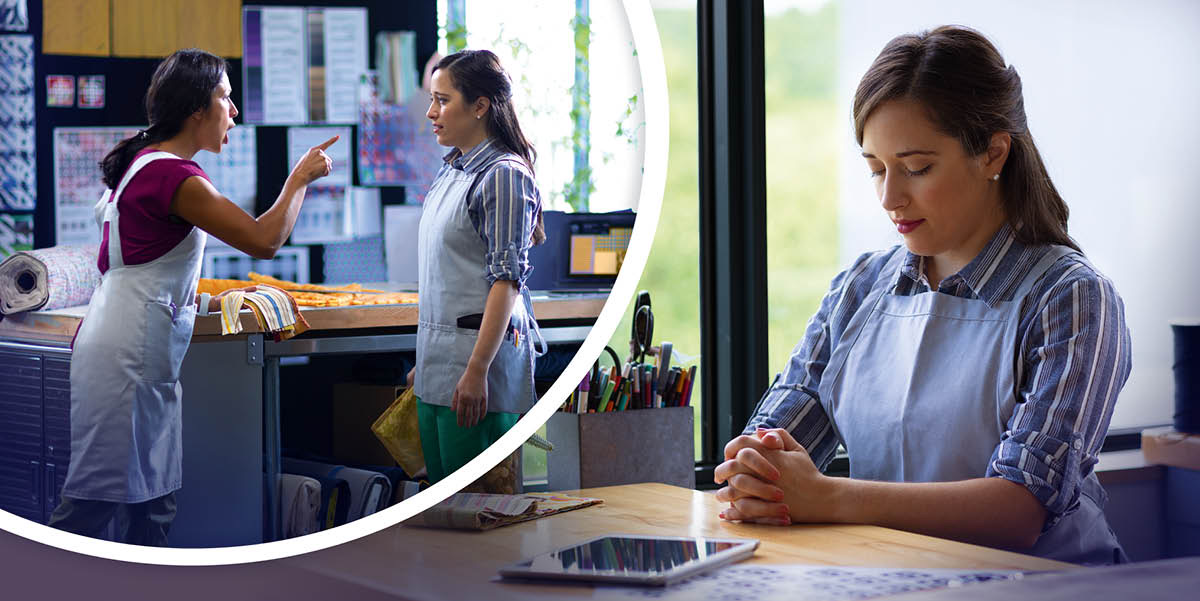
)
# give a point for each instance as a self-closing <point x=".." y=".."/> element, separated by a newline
<point x="327" y="143"/>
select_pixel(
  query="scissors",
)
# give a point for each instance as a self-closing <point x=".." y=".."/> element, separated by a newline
<point x="643" y="327"/>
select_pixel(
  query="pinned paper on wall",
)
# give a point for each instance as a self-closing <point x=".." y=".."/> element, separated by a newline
<point x="18" y="161"/>
<point x="400" y="226"/>
<point x="60" y="90"/>
<point x="326" y="215"/>
<point x="16" y="234"/>
<point x="275" y="65"/>
<point x="290" y="263"/>
<point x="358" y="260"/>
<point x="77" y="185"/>
<point x="14" y="15"/>
<point x="91" y="92"/>
<point x="300" y="139"/>
<point x="367" y="209"/>
<point x="337" y="36"/>
<point x="396" y="145"/>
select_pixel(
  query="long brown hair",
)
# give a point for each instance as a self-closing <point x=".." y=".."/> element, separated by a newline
<point x="970" y="93"/>
<point x="182" y="84"/>
<point x="478" y="73"/>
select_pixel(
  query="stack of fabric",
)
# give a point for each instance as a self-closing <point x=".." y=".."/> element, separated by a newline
<point x="275" y="311"/>
<point x="314" y="295"/>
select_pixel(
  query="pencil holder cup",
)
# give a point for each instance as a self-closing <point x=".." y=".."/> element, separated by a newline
<point x="621" y="447"/>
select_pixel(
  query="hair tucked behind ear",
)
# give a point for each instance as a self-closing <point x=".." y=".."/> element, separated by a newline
<point x="182" y="84"/>
<point x="970" y="94"/>
<point x="478" y="73"/>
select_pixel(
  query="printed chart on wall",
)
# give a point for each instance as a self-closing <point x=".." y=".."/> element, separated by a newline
<point x="18" y="167"/>
<point x="285" y="58"/>
<point x="77" y="186"/>
<point x="326" y="215"/>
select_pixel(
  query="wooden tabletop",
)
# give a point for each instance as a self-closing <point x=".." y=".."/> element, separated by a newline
<point x="423" y="563"/>
<point x="58" y="326"/>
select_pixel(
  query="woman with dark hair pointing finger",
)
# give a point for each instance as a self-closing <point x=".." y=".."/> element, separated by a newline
<point x="126" y="401"/>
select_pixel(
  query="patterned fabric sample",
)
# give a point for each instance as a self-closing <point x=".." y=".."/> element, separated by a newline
<point x="357" y="261"/>
<point x="16" y="234"/>
<point x="14" y="15"/>
<point x="274" y="310"/>
<point x="18" y="164"/>
<point x="77" y="185"/>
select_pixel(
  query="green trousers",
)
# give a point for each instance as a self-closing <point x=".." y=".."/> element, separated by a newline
<point x="447" y="446"/>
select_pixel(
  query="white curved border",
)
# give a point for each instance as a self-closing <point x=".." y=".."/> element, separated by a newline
<point x="654" y="175"/>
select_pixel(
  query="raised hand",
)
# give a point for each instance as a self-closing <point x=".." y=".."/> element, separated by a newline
<point x="315" y="164"/>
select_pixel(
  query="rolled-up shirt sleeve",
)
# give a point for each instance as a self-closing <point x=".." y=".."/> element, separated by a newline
<point x="1075" y="359"/>
<point x="508" y="204"/>
<point x="792" y="402"/>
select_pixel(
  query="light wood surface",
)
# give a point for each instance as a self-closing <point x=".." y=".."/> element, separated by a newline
<point x="145" y="28"/>
<point x="422" y="563"/>
<point x="75" y="27"/>
<point x="58" y="326"/>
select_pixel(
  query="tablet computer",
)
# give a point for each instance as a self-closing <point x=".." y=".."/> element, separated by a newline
<point x="634" y="559"/>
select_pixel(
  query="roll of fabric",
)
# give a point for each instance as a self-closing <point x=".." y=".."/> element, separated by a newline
<point x="301" y="500"/>
<point x="1187" y="376"/>
<point x="48" y="278"/>
<point x="369" y="491"/>
<point x="336" y="497"/>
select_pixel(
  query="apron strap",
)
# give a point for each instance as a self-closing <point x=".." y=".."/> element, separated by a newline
<point x="107" y="208"/>
<point x="1040" y="268"/>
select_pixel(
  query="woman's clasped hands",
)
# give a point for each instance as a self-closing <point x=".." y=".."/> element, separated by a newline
<point x="770" y="479"/>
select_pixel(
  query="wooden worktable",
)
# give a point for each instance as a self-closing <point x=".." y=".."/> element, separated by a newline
<point x="422" y="563"/>
<point x="57" y="327"/>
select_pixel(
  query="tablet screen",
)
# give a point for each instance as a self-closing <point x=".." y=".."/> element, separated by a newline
<point x="631" y="556"/>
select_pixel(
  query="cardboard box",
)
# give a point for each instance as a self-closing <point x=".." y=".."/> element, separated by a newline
<point x="621" y="447"/>
<point x="355" y="407"/>
<point x="1165" y="446"/>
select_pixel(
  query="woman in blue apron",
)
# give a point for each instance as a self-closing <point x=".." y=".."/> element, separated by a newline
<point x="970" y="372"/>
<point x="125" y="394"/>
<point x="476" y="335"/>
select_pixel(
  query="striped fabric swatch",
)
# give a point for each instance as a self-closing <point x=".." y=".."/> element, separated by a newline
<point x="275" y="311"/>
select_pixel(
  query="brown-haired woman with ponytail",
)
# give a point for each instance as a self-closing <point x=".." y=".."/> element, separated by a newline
<point x="970" y="372"/>
<point x="476" y="335"/>
<point x="125" y="395"/>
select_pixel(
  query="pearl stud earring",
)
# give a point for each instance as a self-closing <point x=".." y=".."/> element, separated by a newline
<point x="996" y="177"/>
<point x="477" y="117"/>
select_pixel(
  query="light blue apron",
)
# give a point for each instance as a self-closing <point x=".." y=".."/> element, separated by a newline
<point x="923" y="388"/>
<point x="126" y="401"/>
<point x="451" y="284"/>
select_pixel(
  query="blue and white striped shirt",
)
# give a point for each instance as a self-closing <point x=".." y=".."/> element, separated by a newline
<point x="1074" y="359"/>
<point x="503" y="208"/>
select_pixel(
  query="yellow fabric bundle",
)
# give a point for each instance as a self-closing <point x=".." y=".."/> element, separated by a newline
<point x="397" y="429"/>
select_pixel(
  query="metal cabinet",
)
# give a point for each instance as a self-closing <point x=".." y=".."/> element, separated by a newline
<point x="35" y="428"/>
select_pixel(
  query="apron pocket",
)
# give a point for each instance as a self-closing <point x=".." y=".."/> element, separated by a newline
<point x="168" y="333"/>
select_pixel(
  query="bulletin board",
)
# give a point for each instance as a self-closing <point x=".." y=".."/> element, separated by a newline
<point x="126" y="79"/>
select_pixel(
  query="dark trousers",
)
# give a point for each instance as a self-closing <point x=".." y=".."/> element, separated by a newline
<point x="145" y="523"/>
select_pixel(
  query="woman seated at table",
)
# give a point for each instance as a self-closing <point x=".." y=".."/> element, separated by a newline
<point x="970" y="373"/>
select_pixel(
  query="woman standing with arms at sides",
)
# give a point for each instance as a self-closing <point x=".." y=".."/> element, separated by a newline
<point x="125" y="395"/>
<point x="476" y="334"/>
<point x="971" y="372"/>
